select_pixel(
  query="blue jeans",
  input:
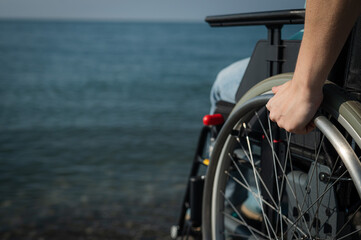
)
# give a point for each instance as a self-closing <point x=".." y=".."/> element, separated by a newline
<point x="226" y="84"/>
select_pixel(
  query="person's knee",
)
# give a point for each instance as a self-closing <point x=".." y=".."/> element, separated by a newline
<point x="228" y="80"/>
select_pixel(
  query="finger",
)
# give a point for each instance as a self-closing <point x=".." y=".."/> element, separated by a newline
<point x="269" y="104"/>
<point x="305" y="130"/>
<point x="271" y="116"/>
<point x="275" y="89"/>
<point x="310" y="127"/>
<point x="312" y="124"/>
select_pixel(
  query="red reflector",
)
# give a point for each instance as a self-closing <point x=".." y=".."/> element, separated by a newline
<point x="212" y="120"/>
<point x="274" y="140"/>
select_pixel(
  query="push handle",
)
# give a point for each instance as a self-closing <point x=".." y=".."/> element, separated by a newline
<point x="296" y="16"/>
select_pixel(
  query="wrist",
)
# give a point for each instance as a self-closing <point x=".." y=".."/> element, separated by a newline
<point x="307" y="88"/>
<point x="309" y="81"/>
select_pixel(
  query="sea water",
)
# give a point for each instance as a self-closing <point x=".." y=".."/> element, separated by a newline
<point x="99" y="122"/>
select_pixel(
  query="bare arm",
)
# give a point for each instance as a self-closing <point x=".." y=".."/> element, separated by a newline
<point x="327" y="25"/>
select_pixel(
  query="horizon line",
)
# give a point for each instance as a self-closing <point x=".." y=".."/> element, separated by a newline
<point x="81" y="19"/>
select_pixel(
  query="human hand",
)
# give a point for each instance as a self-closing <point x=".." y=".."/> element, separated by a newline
<point x="294" y="106"/>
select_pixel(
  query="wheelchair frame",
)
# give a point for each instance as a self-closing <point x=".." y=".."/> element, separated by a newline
<point x="275" y="56"/>
<point x="272" y="57"/>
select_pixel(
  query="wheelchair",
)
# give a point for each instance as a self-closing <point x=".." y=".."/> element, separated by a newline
<point x="252" y="180"/>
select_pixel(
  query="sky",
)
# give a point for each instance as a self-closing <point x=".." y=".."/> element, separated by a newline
<point x="163" y="10"/>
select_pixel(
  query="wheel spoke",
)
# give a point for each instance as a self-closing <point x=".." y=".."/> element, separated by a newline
<point x="312" y="171"/>
<point x="302" y="214"/>
<point x="289" y="156"/>
<point x="246" y="225"/>
<point x="352" y="233"/>
<point x="240" y="235"/>
<point x="257" y="186"/>
<point x="294" y="199"/>
<point x="259" y="177"/>
<point x="251" y="229"/>
<point x="349" y="219"/>
<point x="255" y="195"/>
<point x="281" y="168"/>
<point x="317" y="188"/>
<point x="248" y="188"/>
<point x="327" y="184"/>
<point x="276" y="177"/>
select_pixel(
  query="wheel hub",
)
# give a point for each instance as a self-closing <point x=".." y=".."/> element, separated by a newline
<point x="314" y="213"/>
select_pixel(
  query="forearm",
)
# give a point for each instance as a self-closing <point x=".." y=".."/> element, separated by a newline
<point x="327" y="25"/>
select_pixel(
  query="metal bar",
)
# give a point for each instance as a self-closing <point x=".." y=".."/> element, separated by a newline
<point x="348" y="156"/>
<point x="296" y="16"/>
<point x="178" y="229"/>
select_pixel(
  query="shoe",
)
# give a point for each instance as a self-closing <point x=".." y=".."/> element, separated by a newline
<point x="251" y="207"/>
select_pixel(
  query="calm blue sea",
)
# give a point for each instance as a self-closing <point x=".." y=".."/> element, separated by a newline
<point x="99" y="121"/>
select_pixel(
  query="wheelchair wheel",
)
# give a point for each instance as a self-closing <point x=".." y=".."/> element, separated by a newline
<point x="265" y="183"/>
